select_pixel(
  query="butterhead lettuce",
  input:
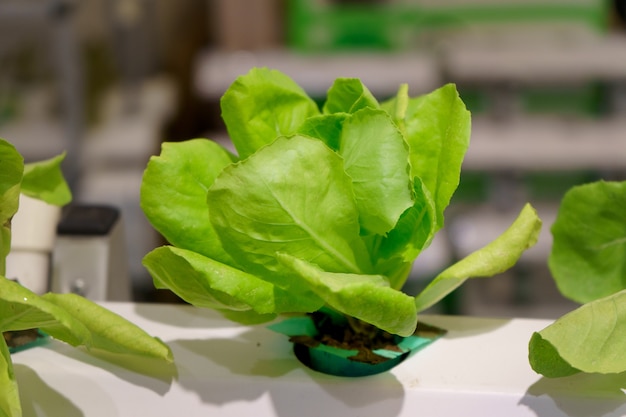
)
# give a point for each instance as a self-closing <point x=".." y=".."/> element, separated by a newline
<point x="587" y="262"/>
<point x="321" y="208"/>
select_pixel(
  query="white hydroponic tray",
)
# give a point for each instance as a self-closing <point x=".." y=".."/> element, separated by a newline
<point x="479" y="368"/>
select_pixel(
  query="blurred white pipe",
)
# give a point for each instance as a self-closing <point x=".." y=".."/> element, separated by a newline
<point x="33" y="234"/>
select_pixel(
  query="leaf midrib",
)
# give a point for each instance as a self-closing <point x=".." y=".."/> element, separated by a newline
<point x="350" y="267"/>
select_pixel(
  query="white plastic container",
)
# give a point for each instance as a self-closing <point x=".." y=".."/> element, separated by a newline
<point x="33" y="234"/>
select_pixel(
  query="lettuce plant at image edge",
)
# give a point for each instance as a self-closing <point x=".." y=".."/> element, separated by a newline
<point x="66" y="317"/>
<point x="587" y="261"/>
<point x="322" y="208"/>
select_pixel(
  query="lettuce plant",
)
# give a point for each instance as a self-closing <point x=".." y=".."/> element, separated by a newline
<point x="66" y="317"/>
<point x="587" y="262"/>
<point x="322" y="207"/>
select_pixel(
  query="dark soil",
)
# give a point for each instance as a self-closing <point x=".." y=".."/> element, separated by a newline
<point x="355" y="335"/>
<point x="20" y="338"/>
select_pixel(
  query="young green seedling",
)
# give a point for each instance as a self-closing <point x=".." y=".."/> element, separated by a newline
<point x="66" y="317"/>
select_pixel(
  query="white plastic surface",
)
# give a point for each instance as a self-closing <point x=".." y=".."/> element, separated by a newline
<point x="479" y="369"/>
<point x="33" y="234"/>
<point x="34" y="226"/>
<point x="30" y="268"/>
<point x="94" y="266"/>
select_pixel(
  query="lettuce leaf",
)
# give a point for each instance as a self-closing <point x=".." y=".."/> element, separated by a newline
<point x="10" y="179"/>
<point x="438" y="130"/>
<point x="366" y="297"/>
<point x="76" y="321"/>
<point x="274" y="202"/>
<point x="71" y="319"/>
<point x="173" y="194"/>
<point x="108" y="331"/>
<point x="213" y="285"/>
<point x="325" y="127"/>
<point x="411" y="234"/>
<point x="494" y="258"/>
<point x="262" y="106"/>
<point x="21" y="309"/>
<point x="591" y="339"/>
<point x="348" y="95"/>
<point x="436" y="127"/>
<point x="371" y="146"/>
<point x="44" y="181"/>
<point x="588" y="256"/>
<point x="9" y="400"/>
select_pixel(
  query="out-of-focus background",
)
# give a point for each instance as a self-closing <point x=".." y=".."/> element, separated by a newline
<point x="109" y="80"/>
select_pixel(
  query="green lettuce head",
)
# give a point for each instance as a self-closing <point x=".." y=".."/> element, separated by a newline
<point x="321" y="208"/>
